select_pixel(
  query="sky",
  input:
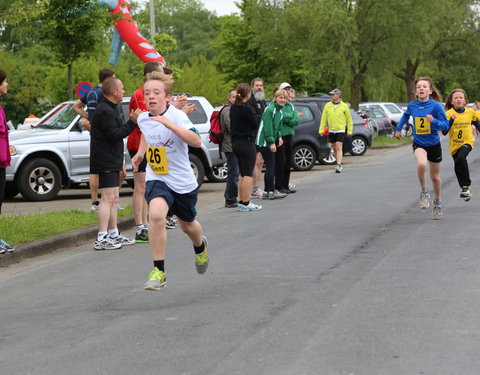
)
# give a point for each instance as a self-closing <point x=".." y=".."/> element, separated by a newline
<point x="221" y="7"/>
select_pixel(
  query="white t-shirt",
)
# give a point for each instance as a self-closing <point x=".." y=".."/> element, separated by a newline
<point x="180" y="177"/>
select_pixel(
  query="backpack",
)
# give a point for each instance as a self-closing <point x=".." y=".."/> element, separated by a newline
<point x="215" y="134"/>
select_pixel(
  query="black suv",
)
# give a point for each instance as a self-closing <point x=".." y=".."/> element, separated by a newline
<point x="308" y="146"/>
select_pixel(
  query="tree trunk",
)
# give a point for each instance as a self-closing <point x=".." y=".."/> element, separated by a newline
<point x="355" y="90"/>
<point x="70" y="81"/>
<point x="408" y="75"/>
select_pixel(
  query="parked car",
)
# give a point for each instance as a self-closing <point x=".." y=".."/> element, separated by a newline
<point x="309" y="146"/>
<point x="56" y="152"/>
<point x="393" y="111"/>
<point x="378" y="121"/>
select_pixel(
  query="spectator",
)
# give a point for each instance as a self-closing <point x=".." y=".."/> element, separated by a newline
<point x="269" y="139"/>
<point x="4" y="155"/>
<point x="244" y="126"/>
<point x="283" y="156"/>
<point x="231" y="187"/>
<point x="337" y="116"/>
<point x="106" y="160"/>
<point x="258" y="104"/>
<point x="91" y="99"/>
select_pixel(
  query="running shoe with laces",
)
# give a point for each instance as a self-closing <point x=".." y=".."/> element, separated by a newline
<point x="338" y="168"/>
<point x="170" y="223"/>
<point x="424" y="201"/>
<point x="123" y="241"/>
<point x="466" y="194"/>
<point x="257" y="194"/>
<point x="8" y="248"/>
<point x="3" y="249"/>
<point x="437" y="212"/>
<point x="106" y="244"/>
<point x="142" y="237"/>
<point x="94" y="206"/>
<point x="201" y="260"/>
<point x="278" y="195"/>
<point x="156" y="280"/>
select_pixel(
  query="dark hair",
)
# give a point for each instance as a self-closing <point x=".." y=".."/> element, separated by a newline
<point x="151" y="66"/>
<point x="243" y="89"/>
<point x="103" y="74"/>
<point x="448" y="102"/>
<point x="3" y="76"/>
<point x="435" y="95"/>
<point x="109" y="85"/>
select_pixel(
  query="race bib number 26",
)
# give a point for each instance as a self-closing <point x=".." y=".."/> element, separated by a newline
<point x="157" y="159"/>
<point x="422" y="126"/>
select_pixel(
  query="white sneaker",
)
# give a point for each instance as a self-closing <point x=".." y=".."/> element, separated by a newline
<point x="437" y="212"/>
<point x="424" y="201"/>
<point x="122" y="241"/>
<point x="94" y="206"/>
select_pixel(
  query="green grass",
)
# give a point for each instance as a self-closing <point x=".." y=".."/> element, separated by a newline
<point x="383" y="140"/>
<point x="22" y="229"/>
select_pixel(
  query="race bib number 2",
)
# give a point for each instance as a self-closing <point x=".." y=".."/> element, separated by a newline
<point x="422" y="126"/>
<point x="157" y="159"/>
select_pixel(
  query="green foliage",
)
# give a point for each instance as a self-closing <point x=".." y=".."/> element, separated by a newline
<point x="200" y="77"/>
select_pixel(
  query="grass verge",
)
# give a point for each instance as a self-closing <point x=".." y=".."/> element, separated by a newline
<point x="17" y="230"/>
<point x="383" y="140"/>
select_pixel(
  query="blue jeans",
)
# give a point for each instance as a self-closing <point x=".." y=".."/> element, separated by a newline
<point x="231" y="188"/>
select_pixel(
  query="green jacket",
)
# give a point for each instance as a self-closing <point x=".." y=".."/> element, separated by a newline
<point x="290" y="120"/>
<point x="336" y="118"/>
<point x="269" y="130"/>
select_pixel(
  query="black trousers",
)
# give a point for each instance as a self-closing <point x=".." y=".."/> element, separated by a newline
<point x="283" y="163"/>
<point x="3" y="182"/>
<point x="461" y="165"/>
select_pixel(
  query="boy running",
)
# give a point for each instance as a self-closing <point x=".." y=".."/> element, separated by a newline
<point x="170" y="182"/>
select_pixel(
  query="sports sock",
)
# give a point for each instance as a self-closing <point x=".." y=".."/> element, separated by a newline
<point x="139" y="228"/>
<point x="160" y="264"/>
<point x="424" y="190"/>
<point x="113" y="233"/>
<point x="101" y="236"/>
<point x="199" y="249"/>
<point x="436" y="202"/>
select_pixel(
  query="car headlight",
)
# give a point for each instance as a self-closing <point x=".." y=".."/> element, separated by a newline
<point x="13" y="150"/>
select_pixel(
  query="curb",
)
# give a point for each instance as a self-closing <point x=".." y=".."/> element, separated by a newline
<point x="58" y="242"/>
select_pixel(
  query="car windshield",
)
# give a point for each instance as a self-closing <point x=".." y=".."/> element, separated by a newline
<point x="59" y="118"/>
<point x="393" y="108"/>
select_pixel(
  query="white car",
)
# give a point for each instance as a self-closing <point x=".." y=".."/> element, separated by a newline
<point x="392" y="110"/>
<point x="56" y="152"/>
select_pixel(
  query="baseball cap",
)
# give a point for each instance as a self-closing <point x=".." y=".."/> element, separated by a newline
<point x="335" y="91"/>
<point x="284" y="85"/>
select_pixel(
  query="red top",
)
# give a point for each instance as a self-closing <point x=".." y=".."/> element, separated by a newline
<point x="136" y="102"/>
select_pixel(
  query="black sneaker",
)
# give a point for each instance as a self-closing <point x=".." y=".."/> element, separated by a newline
<point x="142" y="237"/>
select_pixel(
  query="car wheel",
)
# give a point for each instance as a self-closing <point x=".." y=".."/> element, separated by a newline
<point x="219" y="173"/>
<point x="39" y="180"/>
<point x="359" y="146"/>
<point x="198" y="168"/>
<point x="10" y="190"/>
<point x="303" y="157"/>
<point x="407" y="130"/>
<point x="329" y="159"/>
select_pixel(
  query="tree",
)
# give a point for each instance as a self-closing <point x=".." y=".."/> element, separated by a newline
<point x="68" y="27"/>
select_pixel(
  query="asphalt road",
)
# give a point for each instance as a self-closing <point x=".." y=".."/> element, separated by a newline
<point x="348" y="276"/>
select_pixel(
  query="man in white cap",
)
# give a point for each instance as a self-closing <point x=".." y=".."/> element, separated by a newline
<point x="336" y="115"/>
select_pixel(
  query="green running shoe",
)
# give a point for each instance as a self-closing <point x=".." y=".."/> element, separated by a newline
<point x="142" y="237"/>
<point x="156" y="280"/>
<point x="201" y="260"/>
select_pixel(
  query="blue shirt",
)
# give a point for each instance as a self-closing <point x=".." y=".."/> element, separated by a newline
<point x="425" y="133"/>
<point x="91" y="99"/>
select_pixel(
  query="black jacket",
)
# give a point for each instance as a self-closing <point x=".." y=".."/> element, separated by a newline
<point x="258" y="107"/>
<point x="243" y="124"/>
<point x="106" y="138"/>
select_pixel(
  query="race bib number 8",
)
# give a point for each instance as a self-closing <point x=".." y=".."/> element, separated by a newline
<point x="157" y="159"/>
<point x="422" y="126"/>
